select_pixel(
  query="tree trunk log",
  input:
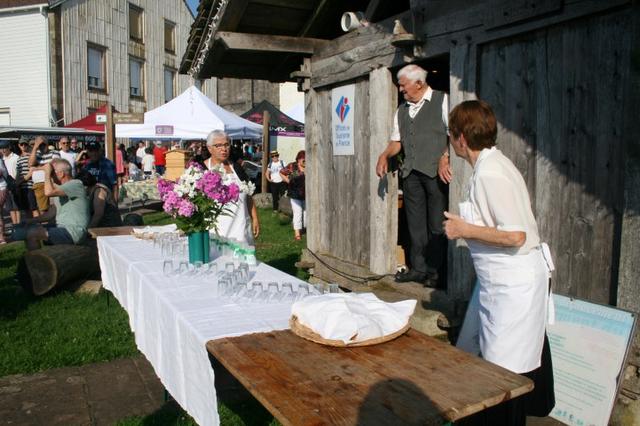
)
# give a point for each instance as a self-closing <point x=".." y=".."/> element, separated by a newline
<point x="56" y="266"/>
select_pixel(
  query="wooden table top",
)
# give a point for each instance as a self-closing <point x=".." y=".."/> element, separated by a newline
<point x="414" y="379"/>
<point x="110" y="231"/>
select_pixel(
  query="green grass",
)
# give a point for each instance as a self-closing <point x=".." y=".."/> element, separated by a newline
<point x="65" y="329"/>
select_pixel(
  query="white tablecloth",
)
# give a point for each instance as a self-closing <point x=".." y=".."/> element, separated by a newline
<point x="174" y="317"/>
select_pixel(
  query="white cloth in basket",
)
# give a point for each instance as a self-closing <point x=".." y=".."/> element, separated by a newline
<point x="352" y="317"/>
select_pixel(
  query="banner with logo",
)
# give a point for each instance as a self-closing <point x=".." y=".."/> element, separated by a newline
<point x="342" y="112"/>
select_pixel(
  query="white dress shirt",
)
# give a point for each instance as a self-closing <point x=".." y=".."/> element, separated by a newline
<point x="414" y="108"/>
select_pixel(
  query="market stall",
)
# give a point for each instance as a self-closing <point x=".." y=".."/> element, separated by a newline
<point x="190" y="115"/>
<point x="286" y="135"/>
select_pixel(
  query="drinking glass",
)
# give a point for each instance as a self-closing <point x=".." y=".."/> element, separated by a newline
<point x="223" y="286"/>
<point x="272" y="290"/>
<point x="262" y="289"/>
<point x="167" y="267"/>
<point x="197" y="267"/>
<point x="244" y="268"/>
<point x="229" y="267"/>
<point x="213" y="268"/>
<point x="156" y="241"/>
<point x="303" y="291"/>
<point x="183" y="269"/>
<point x="250" y="291"/>
<point x="319" y="288"/>
<point x="334" y="288"/>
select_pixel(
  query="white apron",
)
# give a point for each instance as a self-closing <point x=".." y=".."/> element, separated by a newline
<point x="507" y="313"/>
<point x="235" y="224"/>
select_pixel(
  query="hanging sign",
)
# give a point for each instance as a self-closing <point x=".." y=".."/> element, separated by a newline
<point x="589" y="343"/>
<point x="164" y="130"/>
<point x="343" y="104"/>
<point x="128" y="118"/>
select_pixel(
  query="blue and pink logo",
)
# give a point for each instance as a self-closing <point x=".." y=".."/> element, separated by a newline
<point x="343" y="108"/>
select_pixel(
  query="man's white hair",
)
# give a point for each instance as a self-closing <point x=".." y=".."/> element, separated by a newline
<point x="216" y="134"/>
<point x="413" y="72"/>
<point x="61" y="165"/>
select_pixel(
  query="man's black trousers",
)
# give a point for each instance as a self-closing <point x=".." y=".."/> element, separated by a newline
<point x="425" y="200"/>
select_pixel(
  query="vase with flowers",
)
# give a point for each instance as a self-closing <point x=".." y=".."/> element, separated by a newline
<point x="196" y="201"/>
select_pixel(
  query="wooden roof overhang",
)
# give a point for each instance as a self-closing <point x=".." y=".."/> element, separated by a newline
<point x="262" y="39"/>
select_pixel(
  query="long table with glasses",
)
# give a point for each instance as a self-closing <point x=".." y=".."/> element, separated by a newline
<point x="174" y="316"/>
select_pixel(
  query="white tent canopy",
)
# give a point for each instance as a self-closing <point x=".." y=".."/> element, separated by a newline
<point x="189" y="116"/>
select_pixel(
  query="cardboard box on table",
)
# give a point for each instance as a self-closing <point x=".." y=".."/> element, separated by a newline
<point x="177" y="160"/>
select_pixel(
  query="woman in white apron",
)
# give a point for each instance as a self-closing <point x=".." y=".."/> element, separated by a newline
<point x="507" y="315"/>
<point x="241" y="223"/>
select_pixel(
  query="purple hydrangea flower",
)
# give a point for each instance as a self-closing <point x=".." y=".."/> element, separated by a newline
<point x="186" y="208"/>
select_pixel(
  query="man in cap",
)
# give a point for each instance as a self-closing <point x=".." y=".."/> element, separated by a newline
<point x="276" y="184"/>
<point x="101" y="167"/>
<point x="25" y="197"/>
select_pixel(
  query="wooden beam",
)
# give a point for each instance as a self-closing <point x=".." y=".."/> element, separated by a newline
<point x="269" y="43"/>
<point x="253" y="72"/>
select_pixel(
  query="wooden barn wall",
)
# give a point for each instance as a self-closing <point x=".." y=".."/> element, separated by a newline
<point x="557" y="93"/>
<point x="106" y="23"/>
<point x="338" y="186"/>
<point x="240" y="95"/>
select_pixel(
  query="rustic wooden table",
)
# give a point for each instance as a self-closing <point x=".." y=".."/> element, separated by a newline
<point x="414" y="379"/>
<point x="110" y="231"/>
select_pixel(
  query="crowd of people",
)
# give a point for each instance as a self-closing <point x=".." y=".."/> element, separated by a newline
<point x="54" y="194"/>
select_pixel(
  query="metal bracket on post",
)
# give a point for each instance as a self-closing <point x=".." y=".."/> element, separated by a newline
<point x="303" y="76"/>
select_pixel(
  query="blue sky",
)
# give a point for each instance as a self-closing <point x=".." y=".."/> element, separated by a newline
<point x="193" y="4"/>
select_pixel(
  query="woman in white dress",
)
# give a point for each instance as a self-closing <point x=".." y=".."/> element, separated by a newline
<point x="507" y="315"/>
<point x="241" y="224"/>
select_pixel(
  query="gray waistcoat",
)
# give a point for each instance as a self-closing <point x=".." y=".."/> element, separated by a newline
<point x="424" y="137"/>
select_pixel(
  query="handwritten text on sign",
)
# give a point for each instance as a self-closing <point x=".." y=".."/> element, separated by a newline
<point x="343" y="104"/>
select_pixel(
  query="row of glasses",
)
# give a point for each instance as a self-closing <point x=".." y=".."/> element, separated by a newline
<point x="269" y="292"/>
<point x="184" y="268"/>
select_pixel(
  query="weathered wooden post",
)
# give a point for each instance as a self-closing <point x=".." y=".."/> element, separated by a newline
<point x="265" y="149"/>
<point x="383" y="209"/>
<point x="109" y="135"/>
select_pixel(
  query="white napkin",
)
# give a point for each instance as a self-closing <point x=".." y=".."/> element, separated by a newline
<point x="352" y="317"/>
<point x="156" y="229"/>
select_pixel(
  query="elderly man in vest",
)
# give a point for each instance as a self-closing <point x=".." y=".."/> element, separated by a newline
<point x="420" y="128"/>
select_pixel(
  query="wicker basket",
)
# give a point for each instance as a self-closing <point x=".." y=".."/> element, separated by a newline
<point x="306" y="333"/>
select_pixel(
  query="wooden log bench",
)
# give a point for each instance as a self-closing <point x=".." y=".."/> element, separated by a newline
<point x="50" y="267"/>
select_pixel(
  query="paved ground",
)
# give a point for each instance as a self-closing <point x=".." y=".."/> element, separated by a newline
<point x="96" y="394"/>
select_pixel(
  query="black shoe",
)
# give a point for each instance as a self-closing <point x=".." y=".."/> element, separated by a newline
<point x="411" y="276"/>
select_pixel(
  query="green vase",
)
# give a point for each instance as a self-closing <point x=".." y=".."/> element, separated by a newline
<point x="198" y="247"/>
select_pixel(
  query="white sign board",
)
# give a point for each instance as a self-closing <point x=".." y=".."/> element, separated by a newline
<point x="588" y="343"/>
<point x="101" y="118"/>
<point x="343" y="104"/>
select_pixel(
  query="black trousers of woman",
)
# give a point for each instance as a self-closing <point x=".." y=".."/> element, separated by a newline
<point x="539" y="402"/>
